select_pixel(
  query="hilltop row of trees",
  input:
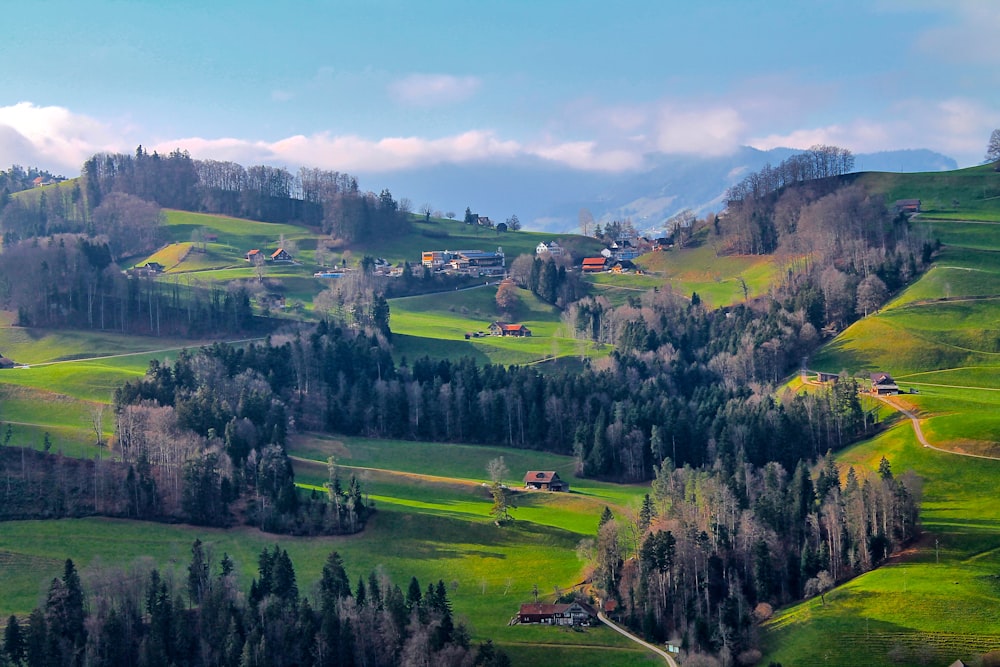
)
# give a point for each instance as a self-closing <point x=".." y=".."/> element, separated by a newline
<point x="327" y="200"/>
<point x="143" y="617"/>
<point x="713" y="550"/>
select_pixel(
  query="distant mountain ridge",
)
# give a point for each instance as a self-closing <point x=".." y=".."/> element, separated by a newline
<point x="548" y="198"/>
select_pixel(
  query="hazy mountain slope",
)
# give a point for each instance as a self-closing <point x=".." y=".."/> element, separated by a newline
<point x="548" y="197"/>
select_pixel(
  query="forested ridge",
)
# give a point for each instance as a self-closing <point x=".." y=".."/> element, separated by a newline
<point x="747" y="508"/>
<point x="144" y="617"/>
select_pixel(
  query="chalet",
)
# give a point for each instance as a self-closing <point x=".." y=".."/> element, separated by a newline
<point x="280" y="255"/>
<point x="544" y="480"/>
<point x="254" y="255"/>
<point x="153" y="267"/>
<point x="883" y="384"/>
<point x="553" y="248"/>
<point x="593" y="264"/>
<point x="573" y="613"/>
<point x="505" y="329"/>
<point x="908" y="206"/>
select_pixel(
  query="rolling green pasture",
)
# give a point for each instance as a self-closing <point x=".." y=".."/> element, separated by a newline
<point x="714" y="278"/>
<point x="935" y="603"/>
<point x="940" y="600"/>
<point x="435" y="325"/>
<point x="433" y="527"/>
<point x="976" y="191"/>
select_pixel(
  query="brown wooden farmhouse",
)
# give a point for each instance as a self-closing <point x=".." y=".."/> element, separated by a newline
<point x="574" y="613"/>
<point x="544" y="480"/>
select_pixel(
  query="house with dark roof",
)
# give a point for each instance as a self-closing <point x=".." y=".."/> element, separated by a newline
<point x="280" y="255"/>
<point x="573" y="613"/>
<point x="544" y="480"/>
<point x="883" y="384"/>
<point x="909" y="206"/>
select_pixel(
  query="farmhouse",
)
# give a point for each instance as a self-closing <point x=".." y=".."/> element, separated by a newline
<point x="253" y="255"/>
<point x="280" y="255"/>
<point x="908" y="206"/>
<point x="505" y="329"/>
<point x="883" y="384"/>
<point x="574" y="613"/>
<point x="544" y="480"/>
<point x="594" y="264"/>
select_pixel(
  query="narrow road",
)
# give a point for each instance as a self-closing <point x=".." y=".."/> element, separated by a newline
<point x="666" y="656"/>
<point x="920" y="433"/>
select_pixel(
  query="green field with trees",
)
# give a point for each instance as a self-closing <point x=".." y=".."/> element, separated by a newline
<point x="258" y="405"/>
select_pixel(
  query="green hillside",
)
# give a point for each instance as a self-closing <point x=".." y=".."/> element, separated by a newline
<point x="940" y="337"/>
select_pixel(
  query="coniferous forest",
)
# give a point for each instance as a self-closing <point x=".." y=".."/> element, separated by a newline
<point x="143" y="618"/>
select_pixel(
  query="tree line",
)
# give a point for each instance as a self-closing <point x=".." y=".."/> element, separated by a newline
<point x="711" y="551"/>
<point x="73" y="280"/>
<point x="693" y="386"/>
<point x="165" y="473"/>
<point x="144" y="617"/>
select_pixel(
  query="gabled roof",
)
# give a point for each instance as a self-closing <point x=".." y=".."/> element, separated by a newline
<point x="253" y="252"/>
<point x="278" y="252"/>
<point x="594" y="261"/>
<point x="541" y="476"/>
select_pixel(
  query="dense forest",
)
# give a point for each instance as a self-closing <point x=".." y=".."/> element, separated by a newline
<point x="713" y="550"/>
<point x="143" y="617"/>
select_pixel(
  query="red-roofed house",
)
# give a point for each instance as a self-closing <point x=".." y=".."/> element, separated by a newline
<point x="544" y="480"/>
<point x="280" y="255"/>
<point x="594" y="263"/>
<point x="253" y="255"/>
<point x="505" y="329"/>
<point x="574" y="613"/>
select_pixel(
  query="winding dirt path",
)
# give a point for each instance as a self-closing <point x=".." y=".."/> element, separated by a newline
<point x="915" y="420"/>
<point x="663" y="654"/>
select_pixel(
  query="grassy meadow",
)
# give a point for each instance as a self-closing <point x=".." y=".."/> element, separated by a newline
<point x="940" y="600"/>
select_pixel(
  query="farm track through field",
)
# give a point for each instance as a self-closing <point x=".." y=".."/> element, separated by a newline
<point x="918" y="431"/>
<point x="136" y="354"/>
<point x="663" y="654"/>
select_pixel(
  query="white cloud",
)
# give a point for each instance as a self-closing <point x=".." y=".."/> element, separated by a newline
<point x="586" y="155"/>
<point x="53" y="137"/>
<point x="430" y="90"/>
<point x="702" y="131"/>
<point x="966" y="34"/>
<point x="956" y="127"/>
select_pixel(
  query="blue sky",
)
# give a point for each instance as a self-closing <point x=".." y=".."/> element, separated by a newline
<point x="375" y="86"/>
